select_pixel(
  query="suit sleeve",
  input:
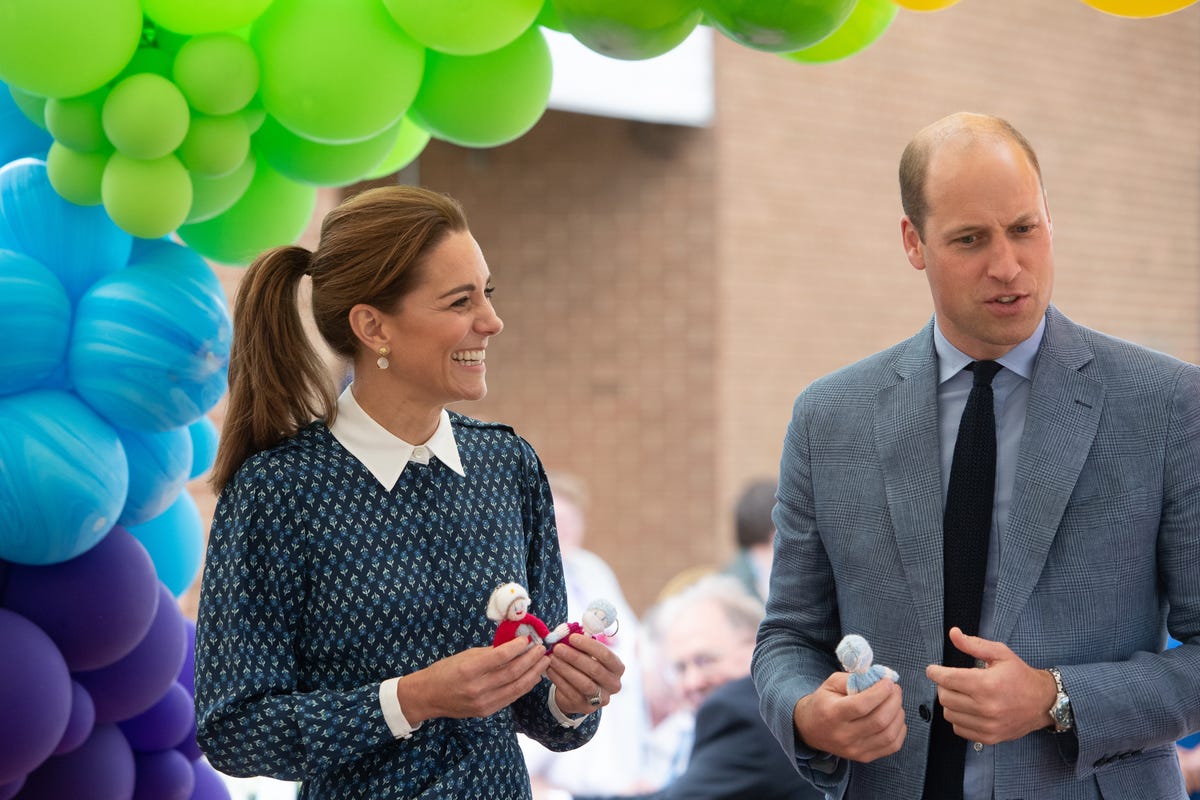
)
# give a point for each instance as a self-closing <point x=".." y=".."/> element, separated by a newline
<point x="1152" y="698"/>
<point x="797" y="637"/>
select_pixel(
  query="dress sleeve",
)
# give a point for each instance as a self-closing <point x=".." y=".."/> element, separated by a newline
<point x="546" y="586"/>
<point x="253" y="716"/>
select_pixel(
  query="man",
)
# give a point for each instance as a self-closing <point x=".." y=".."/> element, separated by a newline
<point x="1091" y="544"/>
<point x="709" y="640"/>
<point x="755" y="536"/>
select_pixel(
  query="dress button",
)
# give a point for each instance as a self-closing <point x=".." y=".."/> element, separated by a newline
<point x="923" y="711"/>
<point x="420" y="453"/>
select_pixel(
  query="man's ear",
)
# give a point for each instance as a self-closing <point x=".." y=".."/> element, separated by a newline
<point x="914" y="248"/>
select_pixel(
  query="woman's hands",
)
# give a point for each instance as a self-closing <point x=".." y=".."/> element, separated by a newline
<point x="474" y="683"/>
<point x="586" y="674"/>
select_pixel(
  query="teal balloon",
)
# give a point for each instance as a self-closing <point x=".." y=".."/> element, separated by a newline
<point x="64" y="479"/>
<point x="217" y="73"/>
<point x="78" y="244"/>
<point x="146" y="197"/>
<point x="866" y="23"/>
<point x="212" y="197"/>
<point x="629" y="29"/>
<point x="335" y="71"/>
<point x="273" y="211"/>
<point x="35" y="319"/>
<point x="207" y="16"/>
<point x="19" y="137"/>
<point x="66" y="48"/>
<point x="77" y="177"/>
<point x="204" y="446"/>
<point x="485" y="100"/>
<point x="150" y="346"/>
<point x="215" y="146"/>
<point x="781" y="26"/>
<point x="410" y="141"/>
<point x="159" y="462"/>
<point x="145" y="116"/>
<point x="75" y="121"/>
<point x="306" y="161"/>
<point x="464" y="27"/>
<point x="175" y="541"/>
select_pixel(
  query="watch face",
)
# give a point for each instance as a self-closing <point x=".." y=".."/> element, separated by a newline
<point x="1063" y="719"/>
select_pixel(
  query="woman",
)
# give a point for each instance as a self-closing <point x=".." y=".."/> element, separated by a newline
<point x="342" y="637"/>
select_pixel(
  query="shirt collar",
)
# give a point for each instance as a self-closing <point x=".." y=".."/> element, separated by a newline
<point x="951" y="360"/>
<point x="384" y="454"/>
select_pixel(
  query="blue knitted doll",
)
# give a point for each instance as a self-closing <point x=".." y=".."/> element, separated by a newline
<point x="856" y="657"/>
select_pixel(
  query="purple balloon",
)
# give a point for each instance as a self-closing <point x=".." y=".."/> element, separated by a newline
<point x="96" y="606"/>
<point x="81" y="723"/>
<point x="164" y="725"/>
<point x="187" y="673"/>
<point x="209" y="785"/>
<point x="9" y="790"/>
<point x="35" y="696"/>
<point x="165" y="775"/>
<point x="189" y="746"/>
<point x="99" y="769"/>
<point x="131" y="685"/>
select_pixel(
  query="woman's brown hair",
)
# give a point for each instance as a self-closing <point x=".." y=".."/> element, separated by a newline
<point x="369" y="250"/>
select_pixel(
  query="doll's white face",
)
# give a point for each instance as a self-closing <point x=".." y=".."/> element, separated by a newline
<point x="518" y="608"/>
<point x="595" y="620"/>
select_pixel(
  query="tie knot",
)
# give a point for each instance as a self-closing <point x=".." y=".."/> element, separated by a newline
<point x="984" y="371"/>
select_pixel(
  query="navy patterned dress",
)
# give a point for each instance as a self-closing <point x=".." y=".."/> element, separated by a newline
<point x="320" y="583"/>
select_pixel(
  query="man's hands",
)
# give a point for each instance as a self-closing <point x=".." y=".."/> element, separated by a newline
<point x="1003" y="702"/>
<point x="474" y="683"/>
<point x="859" y="727"/>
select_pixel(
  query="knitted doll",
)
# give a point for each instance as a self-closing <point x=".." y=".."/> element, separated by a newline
<point x="599" y="617"/>
<point x="509" y="605"/>
<point x="856" y="657"/>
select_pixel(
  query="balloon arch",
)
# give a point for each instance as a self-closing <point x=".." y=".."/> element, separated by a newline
<point x="139" y="138"/>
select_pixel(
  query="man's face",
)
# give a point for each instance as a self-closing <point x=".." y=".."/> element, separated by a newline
<point x="705" y="651"/>
<point x="987" y="249"/>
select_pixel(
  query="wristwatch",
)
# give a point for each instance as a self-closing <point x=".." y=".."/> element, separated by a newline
<point x="1060" y="712"/>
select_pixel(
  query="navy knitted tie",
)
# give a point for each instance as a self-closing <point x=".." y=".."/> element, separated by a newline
<point x="966" y="527"/>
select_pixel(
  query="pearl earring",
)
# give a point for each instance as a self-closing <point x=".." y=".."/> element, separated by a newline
<point x="383" y="354"/>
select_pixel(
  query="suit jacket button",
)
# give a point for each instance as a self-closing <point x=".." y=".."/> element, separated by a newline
<point x="923" y="710"/>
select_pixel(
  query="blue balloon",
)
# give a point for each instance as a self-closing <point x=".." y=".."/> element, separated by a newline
<point x="204" y="445"/>
<point x="35" y="318"/>
<point x="150" y="348"/>
<point x="64" y="477"/>
<point x="165" y="254"/>
<point x="18" y="136"/>
<point x="159" y="462"/>
<point x="79" y="244"/>
<point x="175" y="541"/>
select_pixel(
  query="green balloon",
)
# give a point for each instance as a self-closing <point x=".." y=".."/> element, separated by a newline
<point x="149" y="59"/>
<point x="410" y="141"/>
<point x="33" y="106"/>
<point x="74" y="175"/>
<point x="213" y="196"/>
<point x="464" y="27"/>
<point x="146" y="198"/>
<point x="548" y="18"/>
<point x="866" y="23"/>
<point x="629" y="29"/>
<point x="781" y="26"/>
<point x="66" y="48"/>
<point x="75" y="121"/>
<point x="217" y="73"/>
<point x="335" y="71"/>
<point x="306" y="161"/>
<point x="145" y="116"/>
<point x="215" y="146"/>
<point x="272" y="211"/>
<point x="207" y="16"/>
<point x="485" y="100"/>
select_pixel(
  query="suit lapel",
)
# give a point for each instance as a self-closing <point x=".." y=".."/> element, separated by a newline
<point x="906" y="433"/>
<point x="1060" y="424"/>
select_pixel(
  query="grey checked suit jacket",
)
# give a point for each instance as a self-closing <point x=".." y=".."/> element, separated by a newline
<point x="1102" y="558"/>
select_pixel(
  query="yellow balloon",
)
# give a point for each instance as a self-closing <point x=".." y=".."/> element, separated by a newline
<point x="1139" y="8"/>
<point x="925" y="5"/>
